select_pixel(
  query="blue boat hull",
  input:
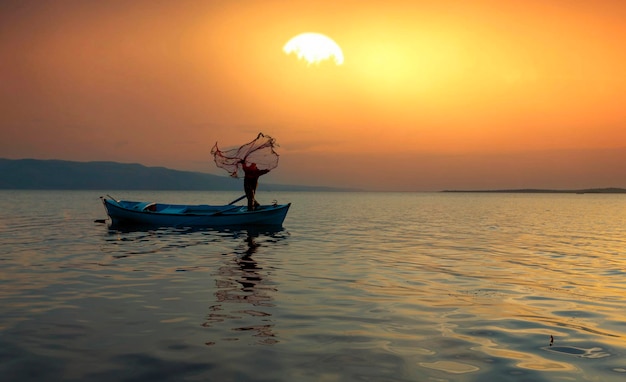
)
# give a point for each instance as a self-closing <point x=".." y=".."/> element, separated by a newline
<point x="179" y="215"/>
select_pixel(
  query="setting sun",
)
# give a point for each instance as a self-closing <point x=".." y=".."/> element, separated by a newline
<point x="314" y="48"/>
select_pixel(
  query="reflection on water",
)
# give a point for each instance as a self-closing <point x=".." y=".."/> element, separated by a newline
<point x="242" y="281"/>
<point x="243" y="294"/>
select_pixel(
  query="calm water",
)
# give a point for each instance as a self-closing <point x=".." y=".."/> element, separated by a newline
<point x="355" y="287"/>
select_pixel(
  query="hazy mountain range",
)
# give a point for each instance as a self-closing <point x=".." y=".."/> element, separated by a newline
<point x="36" y="174"/>
<point x="67" y="175"/>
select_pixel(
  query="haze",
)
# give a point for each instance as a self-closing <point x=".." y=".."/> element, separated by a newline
<point x="432" y="95"/>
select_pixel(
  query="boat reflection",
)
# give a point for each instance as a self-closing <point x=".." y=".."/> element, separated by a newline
<point x="114" y="228"/>
<point x="244" y="291"/>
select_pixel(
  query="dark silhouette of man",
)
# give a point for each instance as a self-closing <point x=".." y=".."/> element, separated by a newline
<point x="250" y="182"/>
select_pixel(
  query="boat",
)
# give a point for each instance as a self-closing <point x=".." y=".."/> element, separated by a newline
<point x="125" y="212"/>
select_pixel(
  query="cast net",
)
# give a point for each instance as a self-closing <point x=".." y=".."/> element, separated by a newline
<point x="259" y="151"/>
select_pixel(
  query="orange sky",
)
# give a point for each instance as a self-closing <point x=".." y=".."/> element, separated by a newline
<point x="432" y="94"/>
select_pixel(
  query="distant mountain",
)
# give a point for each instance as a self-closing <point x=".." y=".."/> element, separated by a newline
<point x="66" y="175"/>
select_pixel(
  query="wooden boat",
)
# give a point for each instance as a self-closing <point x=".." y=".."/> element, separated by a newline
<point x="123" y="212"/>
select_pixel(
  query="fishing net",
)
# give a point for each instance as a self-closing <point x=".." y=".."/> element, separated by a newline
<point x="259" y="151"/>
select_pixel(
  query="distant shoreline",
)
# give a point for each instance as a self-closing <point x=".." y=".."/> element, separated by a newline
<point x="610" y="190"/>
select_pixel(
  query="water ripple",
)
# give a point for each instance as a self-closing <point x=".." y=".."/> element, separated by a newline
<point x="357" y="286"/>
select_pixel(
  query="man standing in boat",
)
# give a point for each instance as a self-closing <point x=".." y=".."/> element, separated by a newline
<point x="250" y="182"/>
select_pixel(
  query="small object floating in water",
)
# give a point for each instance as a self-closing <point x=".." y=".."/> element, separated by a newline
<point x="551" y="340"/>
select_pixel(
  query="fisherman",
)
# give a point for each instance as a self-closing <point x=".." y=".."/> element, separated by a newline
<point x="250" y="182"/>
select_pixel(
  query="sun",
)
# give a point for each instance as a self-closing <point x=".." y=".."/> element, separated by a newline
<point x="314" y="48"/>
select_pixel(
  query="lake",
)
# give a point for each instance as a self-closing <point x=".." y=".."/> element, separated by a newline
<point x="353" y="287"/>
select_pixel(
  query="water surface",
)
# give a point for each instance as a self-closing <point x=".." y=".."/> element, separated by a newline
<point x="354" y="286"/>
